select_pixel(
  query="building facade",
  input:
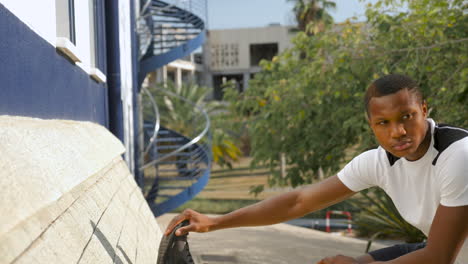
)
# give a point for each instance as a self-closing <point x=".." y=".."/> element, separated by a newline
<point x="234" y="54"/>
<point x="85" y="60"/>
<point x="73" y="60"/>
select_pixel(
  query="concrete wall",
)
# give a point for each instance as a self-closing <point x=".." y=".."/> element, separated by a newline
<point x="68" y="197"/>
<point x="242" y="38"/>
<point x="126" y="79"/>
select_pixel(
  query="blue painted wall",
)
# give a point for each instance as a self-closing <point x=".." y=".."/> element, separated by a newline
<point x="37" y="81"/>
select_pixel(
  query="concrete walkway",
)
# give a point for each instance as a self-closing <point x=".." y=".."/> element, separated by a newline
<point x="276" y="244"/>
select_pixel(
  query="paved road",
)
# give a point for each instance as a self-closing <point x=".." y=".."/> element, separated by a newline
<point x="276" y="244"/>
<point x="320" y="224"/>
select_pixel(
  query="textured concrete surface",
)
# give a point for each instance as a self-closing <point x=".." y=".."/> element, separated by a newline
<point x="68" y="197"/>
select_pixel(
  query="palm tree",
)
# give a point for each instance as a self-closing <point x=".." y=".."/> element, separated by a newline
<point x="180" y="116"/>
<point x="380" y="217"/>
<point x="312" y="15"/>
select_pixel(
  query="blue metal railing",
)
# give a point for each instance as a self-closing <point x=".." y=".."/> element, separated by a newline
<point x="180" y="176"/>
<point x="178" y="165"/>
<point x="169" y="30"/>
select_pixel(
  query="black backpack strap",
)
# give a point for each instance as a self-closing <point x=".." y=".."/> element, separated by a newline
<point x="391" y="158"/>
<point x="444" y="136"/>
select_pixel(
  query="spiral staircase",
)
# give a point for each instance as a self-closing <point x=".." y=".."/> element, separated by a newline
<point x="176" y="166"/>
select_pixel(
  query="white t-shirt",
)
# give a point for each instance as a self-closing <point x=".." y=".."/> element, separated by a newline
<point x="417" y="187"/>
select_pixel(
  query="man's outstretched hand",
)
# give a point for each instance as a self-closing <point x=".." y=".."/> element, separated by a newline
<point x="197" y="223"/>
<point x="339" y="259"/>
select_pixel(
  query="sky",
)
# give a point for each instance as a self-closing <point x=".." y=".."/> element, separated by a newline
<point x="223" y="14"/>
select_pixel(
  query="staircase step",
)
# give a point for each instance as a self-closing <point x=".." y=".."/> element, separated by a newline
<point x="171" y="21"/>
<point x="163" y="132"/>
<point x="169" y="146"/>
<point x="178" y="178"/>
<point x="167" y="21"/>
<point x="183" y="159"/>
<point x="178" y="170"/>
<point x="180" y="154"/>
<point x="171" y="187"/>
<point x="186" y="161"/>
<point x="190" y="153"/>
<point x="165" y="195"/>
<point x="170" y="139"/>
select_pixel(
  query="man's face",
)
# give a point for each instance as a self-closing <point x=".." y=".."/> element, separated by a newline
<point x="399" y="123"/>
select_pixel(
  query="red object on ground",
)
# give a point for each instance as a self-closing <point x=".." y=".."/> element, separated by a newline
<point x="340" y="213"/>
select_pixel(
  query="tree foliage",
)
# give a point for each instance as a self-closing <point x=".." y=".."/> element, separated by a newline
<point x="178" y="114"/>
<point x="308" y="101"/>
<point x="312" y="15"/>
<point x="182" y="116"/>
<point x="380" y="217"/>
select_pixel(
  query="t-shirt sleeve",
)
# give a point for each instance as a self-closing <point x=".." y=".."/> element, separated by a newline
<point x="359" y="173"/>
<point x="454" y="174"/>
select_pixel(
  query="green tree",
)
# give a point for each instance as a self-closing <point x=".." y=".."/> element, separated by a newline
<point x="380" y="216"/>
<point x="307" y="102"/>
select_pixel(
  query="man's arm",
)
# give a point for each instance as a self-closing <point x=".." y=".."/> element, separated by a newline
<point x="274" y="210"/>
<point x="447" y="235"/>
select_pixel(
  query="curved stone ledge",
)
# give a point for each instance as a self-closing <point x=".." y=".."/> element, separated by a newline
<point x="68" y="197"/>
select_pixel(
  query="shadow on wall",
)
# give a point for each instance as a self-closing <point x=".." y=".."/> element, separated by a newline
<point x="108" y="247"/>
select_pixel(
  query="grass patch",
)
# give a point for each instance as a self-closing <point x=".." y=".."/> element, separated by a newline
<point x="214" y="206"/>
<point x="239" y="169"/>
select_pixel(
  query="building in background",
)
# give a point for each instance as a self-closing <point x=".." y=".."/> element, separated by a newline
<point x="181" y="71"/>
<point x="235" y="54"/>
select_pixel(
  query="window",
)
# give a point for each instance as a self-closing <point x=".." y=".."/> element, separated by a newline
<point x="92" y="32"/>
<point x="225" y="55"/>
<point x="78" y="27"/>
<point x="66" y="34"/>
<point x="94" y="42"/>
<point x="260" y="52"/>
<point x="65" y="11"/>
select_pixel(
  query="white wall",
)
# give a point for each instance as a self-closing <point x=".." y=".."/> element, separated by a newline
<point x="126" y="65"/>
<point x="39" y="15"/>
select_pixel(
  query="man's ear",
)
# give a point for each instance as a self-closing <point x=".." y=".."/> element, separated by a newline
<point x="424" y="107"/>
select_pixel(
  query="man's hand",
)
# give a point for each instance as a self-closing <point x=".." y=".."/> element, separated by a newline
<point x="338" y="259"/>
<point x="197" y="223"/>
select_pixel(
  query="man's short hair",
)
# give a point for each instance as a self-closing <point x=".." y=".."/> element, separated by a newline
<point x="390" y="84"/>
